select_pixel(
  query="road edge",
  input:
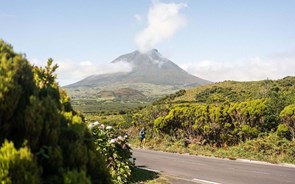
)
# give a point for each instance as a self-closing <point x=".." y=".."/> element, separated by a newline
<point x="238" y="159"/>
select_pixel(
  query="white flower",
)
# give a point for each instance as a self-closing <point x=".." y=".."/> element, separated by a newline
<point x="113" y="141"/>
<point x="109" y="127"/>
<point x="132" y="160"/>
<point x="125" y="136"/>
<point x="95" y="123"/>
<point x="91" y="125"/>
<point x="121" y="138"/>
<point x="102" y="126"/>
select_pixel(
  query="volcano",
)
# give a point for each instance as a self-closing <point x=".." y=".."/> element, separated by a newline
<point x="149" y="68"/>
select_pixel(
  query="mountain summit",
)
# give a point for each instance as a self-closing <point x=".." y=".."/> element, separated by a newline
<point x="147" y="68"/>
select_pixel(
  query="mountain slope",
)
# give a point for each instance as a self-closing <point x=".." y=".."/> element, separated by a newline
<point x="152" y="76"/>
<point x="125" y="94"/>
<point x="233" y="91"/>
<point x="149" y="68"/>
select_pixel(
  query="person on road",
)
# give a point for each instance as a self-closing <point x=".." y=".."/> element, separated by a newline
<point x="142" y="137"/>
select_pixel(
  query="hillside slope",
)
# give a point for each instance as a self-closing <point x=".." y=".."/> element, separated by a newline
<point x="152" y="76"/>
<point x="253" y="120"/>
<point x="149" y="67"/>
<point x="233" y="91"/>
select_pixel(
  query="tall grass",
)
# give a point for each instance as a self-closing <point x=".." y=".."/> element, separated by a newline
<point x="269" y="148"/>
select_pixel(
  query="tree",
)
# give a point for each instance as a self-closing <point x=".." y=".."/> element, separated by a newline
<point x="16" y="89"/>
<point x="288" y="118"/>
<point x="275" y="104"/>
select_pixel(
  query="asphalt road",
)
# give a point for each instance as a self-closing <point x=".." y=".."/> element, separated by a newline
<point x="206" y="170"/>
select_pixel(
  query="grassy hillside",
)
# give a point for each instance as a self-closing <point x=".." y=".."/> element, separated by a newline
<point x="253" y="120"/>
<point x="125" y="94"/>
<point x="232" y="91"/>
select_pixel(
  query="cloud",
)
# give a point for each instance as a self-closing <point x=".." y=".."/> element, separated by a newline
<point x="70" y="71"/>
<point x="258" y="68"/>
<point x="86" y="63"/>
<point x="138" y="18"/>
<point x="163" y="21"/>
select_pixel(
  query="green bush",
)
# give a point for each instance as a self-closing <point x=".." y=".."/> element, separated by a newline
<point x="287" y="116"/>
<point x="284" y="132"/>
<point x="35" y="111"/>
<point x="76" y="177"/>
<point x="116" y="150"/>
<point x="18" y="166"/>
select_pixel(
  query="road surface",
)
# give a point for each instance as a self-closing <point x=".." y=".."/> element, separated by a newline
<point x="206" y="170"/>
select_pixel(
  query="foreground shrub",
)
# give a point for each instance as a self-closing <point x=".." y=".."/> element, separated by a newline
<point x="18" y="166"/>
<point x="35" y="111"/>
<point x="116" y="151"/>
<point x="76" y="177"/>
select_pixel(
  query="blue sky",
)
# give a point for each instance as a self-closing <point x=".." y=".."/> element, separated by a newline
<point x="213" y="39"/>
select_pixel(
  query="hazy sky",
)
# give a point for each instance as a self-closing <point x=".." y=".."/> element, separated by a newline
<point x="213" y="39"/>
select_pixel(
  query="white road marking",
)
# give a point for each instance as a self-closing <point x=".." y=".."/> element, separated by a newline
<point x="179" y="178"/>
<point x="260" y="172"/>
<point x="153" y="170"/>
<point x="205" y="181"/>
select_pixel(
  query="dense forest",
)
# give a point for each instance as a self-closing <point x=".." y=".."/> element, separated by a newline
<point x="43" y="139"/>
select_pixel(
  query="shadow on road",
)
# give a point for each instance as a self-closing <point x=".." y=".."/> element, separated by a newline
<point x="140" y="175"/>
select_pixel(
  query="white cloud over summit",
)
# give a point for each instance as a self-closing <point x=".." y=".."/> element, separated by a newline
<point x="163" y="21"/>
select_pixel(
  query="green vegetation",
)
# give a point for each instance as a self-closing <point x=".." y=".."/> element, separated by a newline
<point x="252" y="120"/>
<point x="232" y="91"/>
<point x="42" y="139"/>
<point x="288" y="118"/>
<point x="115" y="98"/>
<point x="17" y="166"/>
<point x="106" y="107"/>
<point x="269" y="148"/>
<point x="116" y="149"/>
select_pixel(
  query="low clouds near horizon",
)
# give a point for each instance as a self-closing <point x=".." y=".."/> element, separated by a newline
<point x="70" y="72"/>
<point x="163" y="21"/>
<point x="258" y="68"/>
